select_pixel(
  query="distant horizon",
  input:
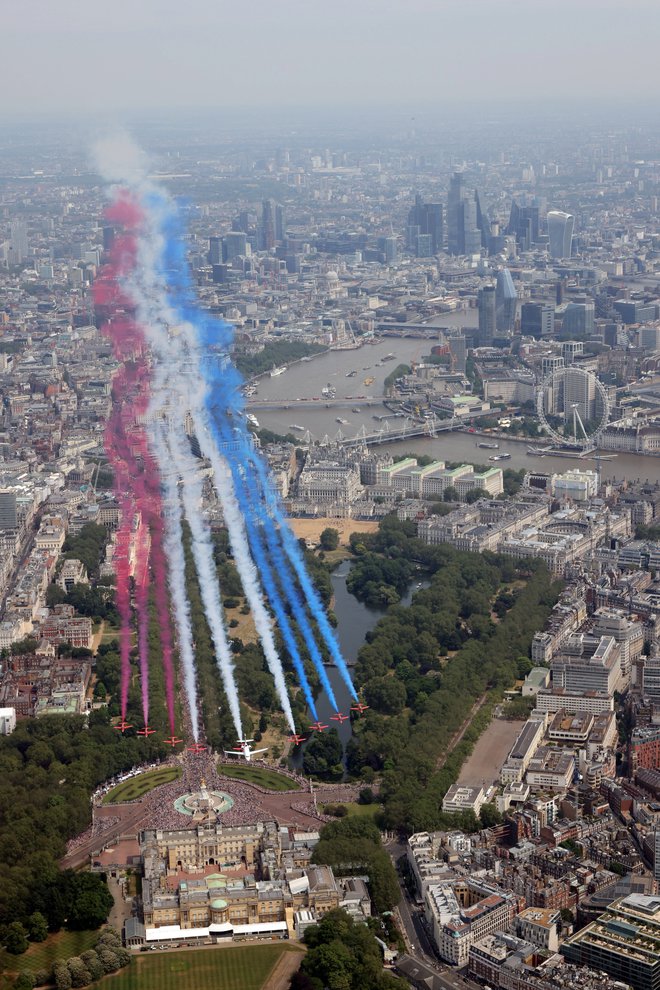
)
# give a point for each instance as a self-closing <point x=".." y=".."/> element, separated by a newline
<point x="484" y="105"/>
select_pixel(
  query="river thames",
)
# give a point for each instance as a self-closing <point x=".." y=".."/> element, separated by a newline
<point x="306" y="379"/>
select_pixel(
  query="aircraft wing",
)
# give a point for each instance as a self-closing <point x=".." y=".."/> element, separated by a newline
<point x="253" y="752"/>
<point x="233" y="752"/>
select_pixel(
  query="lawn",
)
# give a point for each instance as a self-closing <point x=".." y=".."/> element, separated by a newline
<point x="42" y="955"/>
<point x="110" y="632"/>
<point x="222" y="968"/>
<point x="269" y="779"/>
<point x="136" y="787"/>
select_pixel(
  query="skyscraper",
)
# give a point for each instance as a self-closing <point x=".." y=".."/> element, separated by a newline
<point x="8" y="509"/>
<point x="506" y="301"/>
<point x="266" y="231"/>
<point x="468" y="228"/>
<point x="242" y="222"/>
<point x="537" y="319"/>
<point x="18" y="242"/>
<point x="426" y="218"/>
<point x="390" y="249"/>
<point x="435" y="225"/>
<point x="424" y="248"/>
<point x="215" y="251"/>
<point x="487" y="314"/>
<point x="483" y="221"/>
<point x="458" y="350"/>
<point x="463" y="212"/>
<point x="280" y="222"/>
<point x="412" y="233"/>
<point x="560" y="233"/>
<point x="580" y="394"/>
<point x="234" y="245"/>
<point x="579" y="318"/>
<point x="524" y="225"/>
<point x="455" y="197"/>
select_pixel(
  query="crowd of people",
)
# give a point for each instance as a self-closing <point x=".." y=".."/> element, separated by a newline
<point x="201" y="769"/>
<point x="159" y="809"/>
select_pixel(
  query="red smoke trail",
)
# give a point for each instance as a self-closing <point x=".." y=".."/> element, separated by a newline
<point x="137" y="482"/>
<point x="141" y="575"/>
<point x="146" y="484"/>
<point x="108" y="298"/>
<point x="123" y="595"/>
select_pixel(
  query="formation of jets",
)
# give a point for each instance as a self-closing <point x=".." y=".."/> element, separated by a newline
<point x="243" y="748"/>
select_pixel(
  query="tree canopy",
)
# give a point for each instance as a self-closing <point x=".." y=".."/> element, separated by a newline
<point x="354" y="843"/>
<point x="273" y="355"/>
<point x="343" y="955"/>
<point x="425" y="666"/>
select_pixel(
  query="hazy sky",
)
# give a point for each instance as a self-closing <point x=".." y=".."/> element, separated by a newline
<point x="140" y="54"/>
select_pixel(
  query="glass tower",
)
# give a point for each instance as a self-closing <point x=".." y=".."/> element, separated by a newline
<point x="560" y="233"/>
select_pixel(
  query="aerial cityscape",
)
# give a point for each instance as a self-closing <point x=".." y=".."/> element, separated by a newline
<point x="330" y="510"/>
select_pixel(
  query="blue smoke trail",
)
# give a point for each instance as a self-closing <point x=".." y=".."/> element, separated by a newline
<point x="282" y="566"/>
<point x="216" y="337"/>
<point x="216" y="378"/>
<point x="291" y="592"/>
<point x="295" y="556"/>
<point x="223" y="436"/>
<point x="279" y="564"/>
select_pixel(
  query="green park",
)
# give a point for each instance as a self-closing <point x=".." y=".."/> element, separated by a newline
<point x="271" y="780"/>
<point x="136" y="787"/>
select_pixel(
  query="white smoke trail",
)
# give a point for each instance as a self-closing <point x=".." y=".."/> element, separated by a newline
<point x="157" y="316"/>
<point x="173" y="544"/>
<point x="202" y="549"/>
<point x="242" y="558"/>
<point x="169" y="391"/>
<point x="175" y="459"/>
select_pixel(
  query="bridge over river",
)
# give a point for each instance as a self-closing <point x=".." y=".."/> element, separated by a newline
<point x="317" y="403"/>
<point x="387" y="432"/>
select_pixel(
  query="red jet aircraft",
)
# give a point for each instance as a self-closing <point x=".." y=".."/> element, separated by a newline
<point x="360" y="707"/>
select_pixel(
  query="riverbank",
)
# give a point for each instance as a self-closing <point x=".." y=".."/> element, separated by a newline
<point x="263" y="375"/>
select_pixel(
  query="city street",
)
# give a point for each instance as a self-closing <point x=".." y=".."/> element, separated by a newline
<point x="420" y="948"/>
